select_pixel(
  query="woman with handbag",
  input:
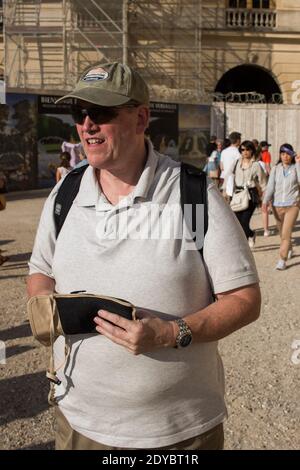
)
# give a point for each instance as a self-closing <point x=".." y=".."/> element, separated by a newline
<point x="283" y="191"/>
<point x="249" y="182"/>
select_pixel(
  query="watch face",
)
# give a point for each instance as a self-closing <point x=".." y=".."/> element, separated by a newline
<point x="185" y="340"/>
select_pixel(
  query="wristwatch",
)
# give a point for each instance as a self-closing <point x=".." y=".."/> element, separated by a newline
<point x="184" y="337"/>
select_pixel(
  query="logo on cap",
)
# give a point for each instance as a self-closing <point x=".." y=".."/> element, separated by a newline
<point x="96" y="74"/>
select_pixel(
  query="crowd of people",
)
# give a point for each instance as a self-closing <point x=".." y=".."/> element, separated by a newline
<point x="244" y="173"/>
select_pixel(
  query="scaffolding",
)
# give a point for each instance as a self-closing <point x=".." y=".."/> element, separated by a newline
<point x="49" y="43"/>
<point x="1" y="42"/>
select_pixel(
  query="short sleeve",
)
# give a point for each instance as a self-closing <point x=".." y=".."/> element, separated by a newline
<point x="228" y="258"/>
<point x="45" y="240"/>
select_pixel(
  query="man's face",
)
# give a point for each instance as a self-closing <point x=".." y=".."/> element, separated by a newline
<point x="108" y="135"/>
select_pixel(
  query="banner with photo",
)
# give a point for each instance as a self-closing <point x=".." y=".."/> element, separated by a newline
<point x="194" y="133"/>
<point x="163" y="128"/>
<point x="18" y="141"/>
<point x="56" y="134"/>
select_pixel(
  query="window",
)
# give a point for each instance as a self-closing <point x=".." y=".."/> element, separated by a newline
<point x="265" y="4"/>
<point x="237" y="3"/>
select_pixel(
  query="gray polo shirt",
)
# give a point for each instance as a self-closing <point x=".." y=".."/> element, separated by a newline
<point x="168" y="395"/>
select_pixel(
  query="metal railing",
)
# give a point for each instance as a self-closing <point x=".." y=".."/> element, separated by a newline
<point x="250" y="97"/>
<point x="248" y="19"/>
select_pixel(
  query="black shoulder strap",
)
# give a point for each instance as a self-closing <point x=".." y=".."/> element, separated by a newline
<point x="236" y="164"/>
<point x="66" y="195"/>
<point x="193" y="190"/>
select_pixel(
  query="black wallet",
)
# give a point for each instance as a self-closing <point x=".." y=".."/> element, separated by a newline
<point x="77" y="311"/>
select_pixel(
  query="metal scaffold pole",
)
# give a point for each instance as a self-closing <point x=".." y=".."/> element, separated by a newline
<point x="125" y="31"/>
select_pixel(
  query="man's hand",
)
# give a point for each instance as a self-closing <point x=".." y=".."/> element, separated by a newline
<point x="137" y="336"/>
<point x="232" y="311"/>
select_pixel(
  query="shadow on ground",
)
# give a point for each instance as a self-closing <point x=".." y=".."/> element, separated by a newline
<point x="5" y="242"/>
<point x="19" y="257"/>
<point x="23" y="397"/>
<point x="17" y="261"/>
<point x="20" y="331"/>
<point x="42" y="446"/>
<point x="13" y="276"/>
<point x="15" y="350"/>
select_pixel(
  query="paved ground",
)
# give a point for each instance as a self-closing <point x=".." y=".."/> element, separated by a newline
<point x="263" y="381"/>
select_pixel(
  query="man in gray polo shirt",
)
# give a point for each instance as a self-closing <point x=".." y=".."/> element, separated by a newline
<point x="130" y="386"/>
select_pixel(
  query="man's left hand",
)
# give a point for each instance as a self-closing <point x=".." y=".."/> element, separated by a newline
<point x="137" y="336"/>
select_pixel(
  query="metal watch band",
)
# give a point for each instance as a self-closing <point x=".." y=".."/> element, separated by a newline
<point x="184" y="337"/>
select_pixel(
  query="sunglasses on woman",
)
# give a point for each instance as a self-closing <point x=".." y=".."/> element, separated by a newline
<point x="244" y="149"/>
<point x="97" y="114"/>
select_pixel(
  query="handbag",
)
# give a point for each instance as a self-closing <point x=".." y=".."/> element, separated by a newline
<point x="69" y="314"/>
<point x="240" y="200"/>
<point x="2" y="202"/>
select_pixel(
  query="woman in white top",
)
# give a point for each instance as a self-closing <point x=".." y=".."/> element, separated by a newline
<point x="283" y="192"/>
<point x="248" y="173"/>
<point x="64" y="167"/>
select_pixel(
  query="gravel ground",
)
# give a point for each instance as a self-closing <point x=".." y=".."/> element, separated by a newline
<point x="263" y="382"/>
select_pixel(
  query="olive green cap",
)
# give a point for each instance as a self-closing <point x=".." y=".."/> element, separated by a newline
<point x="111" y="84"/>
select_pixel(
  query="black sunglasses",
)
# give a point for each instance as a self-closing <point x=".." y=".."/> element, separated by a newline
<point x="244" y="148"/>
<point x="97" y="114"/>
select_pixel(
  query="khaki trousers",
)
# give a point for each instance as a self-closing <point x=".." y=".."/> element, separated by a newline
<point x="285" y="218"/>
<point x="68" y="439"/>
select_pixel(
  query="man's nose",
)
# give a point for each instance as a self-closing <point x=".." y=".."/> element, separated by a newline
<point x="89" y="125"/>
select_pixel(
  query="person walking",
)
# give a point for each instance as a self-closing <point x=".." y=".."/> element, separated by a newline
<point x="229" y="156"/>
<point x="64" y="167"/>
<point x="155" y="382"/>
<point x="265" y="159"/>
<point x="212" y="168"/>
<point x="249" y="174"/>
<point x="283" y="192"/>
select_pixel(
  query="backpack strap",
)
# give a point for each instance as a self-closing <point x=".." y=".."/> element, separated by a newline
<point x="193" y="190"/>
<point x="66" y="195"/>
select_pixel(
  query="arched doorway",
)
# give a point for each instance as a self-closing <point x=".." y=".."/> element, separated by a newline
<point x="248" y="78"/>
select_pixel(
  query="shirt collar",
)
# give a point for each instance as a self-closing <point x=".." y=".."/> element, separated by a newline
<point x="146" y="179"/>
<point x="90" y="192"/>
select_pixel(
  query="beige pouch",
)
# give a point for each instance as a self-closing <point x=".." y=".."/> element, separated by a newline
<point x="46" y="327"/>
<point x="44" y="319"/>
<point x="47" y="314"/>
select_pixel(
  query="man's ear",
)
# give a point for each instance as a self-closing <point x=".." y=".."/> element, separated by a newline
<point x="142" y="119"/>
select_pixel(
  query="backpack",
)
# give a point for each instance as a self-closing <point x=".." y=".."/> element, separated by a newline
<point x="193" y="191"/>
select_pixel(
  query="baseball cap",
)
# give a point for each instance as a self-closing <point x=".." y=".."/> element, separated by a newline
<point x="111" y="84"/>
<point x="264" y="143"/>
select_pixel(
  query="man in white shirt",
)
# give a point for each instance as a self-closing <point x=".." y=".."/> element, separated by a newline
<point x="157" y="382"/>
<point x="229" y="156"/>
